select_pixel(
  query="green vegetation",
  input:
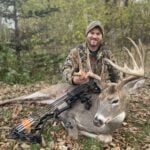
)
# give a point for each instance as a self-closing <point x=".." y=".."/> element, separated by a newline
<point x="89" y="143"/>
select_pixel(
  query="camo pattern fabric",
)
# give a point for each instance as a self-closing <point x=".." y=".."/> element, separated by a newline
<point x="71" y="64"/>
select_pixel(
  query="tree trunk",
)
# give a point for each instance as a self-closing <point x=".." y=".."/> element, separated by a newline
<point x="17" y="33"/>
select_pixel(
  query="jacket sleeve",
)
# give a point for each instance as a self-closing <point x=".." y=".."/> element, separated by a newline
<point x="114" y="74"/>
<point x="70" y="66"/>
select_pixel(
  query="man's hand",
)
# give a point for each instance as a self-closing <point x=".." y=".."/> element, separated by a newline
<point x="81" y="78"/>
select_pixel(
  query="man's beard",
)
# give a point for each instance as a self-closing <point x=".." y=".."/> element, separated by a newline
<point x="94" y="43"/>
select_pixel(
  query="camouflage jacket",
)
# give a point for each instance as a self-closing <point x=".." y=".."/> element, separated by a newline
<point x="71" y="64"/>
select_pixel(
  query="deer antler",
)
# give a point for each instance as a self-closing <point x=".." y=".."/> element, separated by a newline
<point x="136" y="70"/>
<point x="90" y="72"/>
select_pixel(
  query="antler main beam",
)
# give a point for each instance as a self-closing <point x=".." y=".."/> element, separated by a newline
<point x="137" y="70"/>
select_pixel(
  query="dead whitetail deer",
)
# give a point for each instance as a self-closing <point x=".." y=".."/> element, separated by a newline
<point x="108" y="109"/>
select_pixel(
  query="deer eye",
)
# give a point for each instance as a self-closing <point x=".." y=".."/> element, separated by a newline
<point x="115" y="102"/>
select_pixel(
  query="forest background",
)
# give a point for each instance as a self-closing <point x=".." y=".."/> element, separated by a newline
<point x="36" y="35"/>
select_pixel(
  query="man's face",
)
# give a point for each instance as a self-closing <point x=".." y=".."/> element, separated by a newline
<point x="94" y="37"/>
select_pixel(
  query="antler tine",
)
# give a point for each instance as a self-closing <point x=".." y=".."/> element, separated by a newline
<point x="142" y="52"/>
<point x="135" y="66"/>
<point x="137" y="49"/>
<point x="80" y="63"/>
<point x="90" y="72"/>
<point x="137" y="70"/>
<point x="80" y="67"/>
<point x="88" y="61"/>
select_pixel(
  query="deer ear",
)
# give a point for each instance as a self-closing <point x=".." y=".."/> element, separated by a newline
<point x="132" y="86"/>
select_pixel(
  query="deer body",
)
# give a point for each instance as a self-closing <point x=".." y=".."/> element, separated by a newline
<point x="107" y="113"/>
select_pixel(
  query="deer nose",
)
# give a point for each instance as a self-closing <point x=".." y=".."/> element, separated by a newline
<point x="98" y="122"/>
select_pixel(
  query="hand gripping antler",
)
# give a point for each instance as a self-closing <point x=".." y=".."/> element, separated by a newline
<point x="137" y="70"/>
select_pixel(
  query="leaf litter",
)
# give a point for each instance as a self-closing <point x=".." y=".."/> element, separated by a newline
<point x="133" y="135"/>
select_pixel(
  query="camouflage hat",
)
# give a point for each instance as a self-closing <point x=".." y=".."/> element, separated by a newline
<point x="94" y="24"/>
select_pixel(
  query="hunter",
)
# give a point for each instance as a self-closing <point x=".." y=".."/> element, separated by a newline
<point x="94" y="46"/>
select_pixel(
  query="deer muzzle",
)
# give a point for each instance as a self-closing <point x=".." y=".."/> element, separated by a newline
<point x="99" y="121"/>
